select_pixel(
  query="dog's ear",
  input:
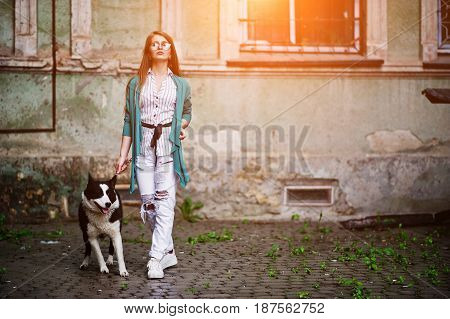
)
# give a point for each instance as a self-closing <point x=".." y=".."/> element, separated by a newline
<point x="113" y="180"/>
<point x="90" y="179"/>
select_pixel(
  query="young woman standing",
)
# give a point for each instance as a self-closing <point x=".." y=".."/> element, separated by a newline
<point x="158" y="109"/>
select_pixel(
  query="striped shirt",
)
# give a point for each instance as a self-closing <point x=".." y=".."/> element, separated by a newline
<point x="157" y="107"/>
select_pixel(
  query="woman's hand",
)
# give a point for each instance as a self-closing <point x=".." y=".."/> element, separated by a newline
<point x="122" y="164"/>
<point x="182" y="134"/>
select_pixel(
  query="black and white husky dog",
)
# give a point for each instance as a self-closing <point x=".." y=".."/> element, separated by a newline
<point x="100" y="213"/>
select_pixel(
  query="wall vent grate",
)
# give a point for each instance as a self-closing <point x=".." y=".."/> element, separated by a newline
<point x="308" y="195"/>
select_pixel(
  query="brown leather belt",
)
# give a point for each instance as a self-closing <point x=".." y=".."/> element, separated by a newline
<point x="157" y="133"/>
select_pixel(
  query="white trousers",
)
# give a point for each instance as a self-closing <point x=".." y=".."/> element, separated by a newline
<point x="157" y="181"/>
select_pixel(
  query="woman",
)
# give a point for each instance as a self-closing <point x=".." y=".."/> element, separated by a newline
<point x="157" y="110"/>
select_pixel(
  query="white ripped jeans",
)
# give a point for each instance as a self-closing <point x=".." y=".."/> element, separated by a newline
<point x="157" y="181"/>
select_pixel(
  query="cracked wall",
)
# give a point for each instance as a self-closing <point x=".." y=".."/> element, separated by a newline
<point x="384" y="146"/>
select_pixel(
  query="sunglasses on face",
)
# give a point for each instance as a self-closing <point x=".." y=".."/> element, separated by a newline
<point x="155" y="45"/>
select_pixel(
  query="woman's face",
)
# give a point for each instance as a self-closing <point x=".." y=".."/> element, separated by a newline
<point x="160" y="48"/>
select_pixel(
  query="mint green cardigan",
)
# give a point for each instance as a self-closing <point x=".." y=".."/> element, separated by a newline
<point x="132" y="125"/>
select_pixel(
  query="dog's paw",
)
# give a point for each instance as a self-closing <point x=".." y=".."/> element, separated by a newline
<point x="123" y="273"/>
<point x="110" y="260"/>
<point x="104" y="269"/>
<point x="85" y="263"/>
<point x="83" y="266"/>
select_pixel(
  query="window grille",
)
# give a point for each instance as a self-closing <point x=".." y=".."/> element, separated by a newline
<point x="444" y="25"/>
<point x="316" y="26"/>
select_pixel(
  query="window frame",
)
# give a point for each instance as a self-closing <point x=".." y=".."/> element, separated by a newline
<point x="247" y="45"/>
<point x="230" y="55"/>
<point x="432" y="56"/>
<point x="446" y="47"/>
<point x="375" y="31"/>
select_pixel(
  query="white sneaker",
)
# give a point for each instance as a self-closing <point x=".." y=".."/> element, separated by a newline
<point x="154" y="269"/>
<point x="169" y="260"/>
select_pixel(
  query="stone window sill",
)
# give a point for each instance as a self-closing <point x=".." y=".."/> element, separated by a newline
<point x="304" y="60"/>
<point x="442" y="62"/>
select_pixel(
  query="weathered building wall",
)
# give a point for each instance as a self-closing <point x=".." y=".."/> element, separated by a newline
<point x="404" y="32"/>
<point x="368" y="132"/>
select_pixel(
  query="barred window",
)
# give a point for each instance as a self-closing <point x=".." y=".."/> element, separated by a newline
<point x="302" y="25"/>
<point x="444" y="25"/>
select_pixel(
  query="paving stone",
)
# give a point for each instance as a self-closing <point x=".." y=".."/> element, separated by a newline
<point x="231" y="269"/>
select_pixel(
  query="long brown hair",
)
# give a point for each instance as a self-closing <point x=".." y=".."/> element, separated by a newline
<point x="147" y="57"/>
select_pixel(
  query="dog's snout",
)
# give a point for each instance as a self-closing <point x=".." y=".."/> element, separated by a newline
<point x="108" y="204"/>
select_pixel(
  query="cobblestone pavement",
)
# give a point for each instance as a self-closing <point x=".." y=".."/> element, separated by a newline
<point x="242" y="259"/>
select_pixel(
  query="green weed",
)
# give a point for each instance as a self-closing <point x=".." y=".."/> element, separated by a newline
<point x="337" y="246"/>
<point x="304" y="228"/>
<point x="432" y="273"/>
<point x="325" y="230"/>
<point x="371" y="262"/>
<point x="303" y="294"/>
<point x="192" y="290"/>
<point x="347" y="255"/>
<point x="389" y="251"/>
<point x="273" y="251"/>
<point x="295" y="270"/>
<point x="211" y="237"/>
<point x="2" y="272"/>
<point x="187" y="209"/>
<point x="124" y="286"/>
<point x="298" y="251"/>
<point x="55" y="234"/>
<point x="446" y="269"/>
<point x="358" y="289"/>
<point x="14" y="234"/>
<point x="272" y="272"/>
<point x="138" y="240"/>
<point x="428" y="241"/>
<point x="307" y="270"/>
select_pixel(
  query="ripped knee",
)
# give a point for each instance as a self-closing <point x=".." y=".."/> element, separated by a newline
<point x="148" y="202"/>
<point x="149" y="206"/>
<point x="159" y="195"/>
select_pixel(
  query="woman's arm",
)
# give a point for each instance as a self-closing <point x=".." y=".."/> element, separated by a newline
<point x="125" y="147"/>
<point x="122" y="162"/>
<point x="187" y="112"/>
<point x="187" y="109"/>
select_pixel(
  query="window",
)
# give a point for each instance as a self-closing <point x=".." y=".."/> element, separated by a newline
<point x="316" y="26"/>
<point x="435" y="36"/>
<point x="443" y="26"/>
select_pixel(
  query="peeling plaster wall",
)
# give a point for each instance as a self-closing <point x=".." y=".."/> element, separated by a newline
<point x="6" y="31"/>
<point x="204" y="44"/>
<point x="240" y="179"/>
<point x="384" y="146"/>
<point x="124" y="38"/>
<point x="404" y="31"/>
<point x="341" y="117"/>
